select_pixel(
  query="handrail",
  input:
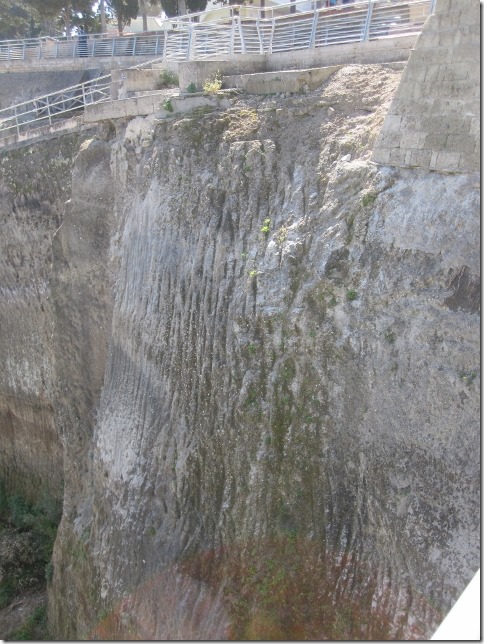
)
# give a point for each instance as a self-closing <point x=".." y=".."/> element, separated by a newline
<point x="176" y="40"/>
<point x="64" y="103"/>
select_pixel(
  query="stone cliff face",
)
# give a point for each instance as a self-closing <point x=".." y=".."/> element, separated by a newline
<point x="34" y="184"/>
<point x="265" y="373"/>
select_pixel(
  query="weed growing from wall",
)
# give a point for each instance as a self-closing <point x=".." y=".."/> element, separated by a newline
<point x="213" y="84"/>
<point x="167" y="79"/>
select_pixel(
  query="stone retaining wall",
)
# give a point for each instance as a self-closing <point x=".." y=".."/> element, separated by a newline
<point x="434" y="120"/>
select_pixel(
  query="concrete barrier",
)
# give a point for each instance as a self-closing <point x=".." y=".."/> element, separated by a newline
<point x="72" y="64"/>
<point x="65" y="126"/>
<point x="283" y="81"/>
<point x="151" y="104"/>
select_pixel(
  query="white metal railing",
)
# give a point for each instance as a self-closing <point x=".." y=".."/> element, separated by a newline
<point x="51" y="108"/>
<point x="236" y="29"/>
<point x="46" y="110"/>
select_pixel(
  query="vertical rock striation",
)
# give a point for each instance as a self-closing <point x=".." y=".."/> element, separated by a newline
<point x="34" y="184"/>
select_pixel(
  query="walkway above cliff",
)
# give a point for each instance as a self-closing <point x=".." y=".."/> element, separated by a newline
<point x="232" y="31"/>
<point x="371" y="31"/>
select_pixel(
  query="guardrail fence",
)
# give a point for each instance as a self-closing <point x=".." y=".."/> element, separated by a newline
<point x="50" y="108"/>
<point x="239" y="29"/>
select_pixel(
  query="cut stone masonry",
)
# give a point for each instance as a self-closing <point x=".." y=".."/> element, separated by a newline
<point x="434" y="120"/>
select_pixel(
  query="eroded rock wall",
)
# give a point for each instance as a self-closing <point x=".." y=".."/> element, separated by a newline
<point x="271" y="407"/>
<point x="34" y="185"/>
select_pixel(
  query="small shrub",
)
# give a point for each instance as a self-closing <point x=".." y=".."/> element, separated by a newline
<point x="350" y="224"/>
<point x="253" y="273"/>
<point x="213" y="84"/>
<point x="281" y="235"/>
<point x="168" y="105"/>
<point x="368" y="199"/>
<point x="390" y="337"/>
<point x="266" y="227"/>
<point x="192" y="88"/>
<point x="468" y="377"/>
<point x="167" y="78"/>
<point x="351" y="294"/>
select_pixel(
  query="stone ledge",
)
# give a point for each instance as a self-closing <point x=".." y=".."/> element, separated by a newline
<point x="283" y="81"/>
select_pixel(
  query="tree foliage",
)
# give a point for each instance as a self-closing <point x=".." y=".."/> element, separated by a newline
<point x="124" y="10"/>
<point x="179" y="7"/>
<point x="31" y="18"/>
<point x="17" y="20"/>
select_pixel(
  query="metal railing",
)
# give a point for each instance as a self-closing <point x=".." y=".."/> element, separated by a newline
<point x="48" y="109"/>
<point x="57" y="106"/>
<point x="239" y="29"/>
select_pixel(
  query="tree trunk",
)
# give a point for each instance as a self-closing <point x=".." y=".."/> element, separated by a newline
<point x="182" y="7"/>
<point x="102" y="9"/>
<point x="143" y="10"/>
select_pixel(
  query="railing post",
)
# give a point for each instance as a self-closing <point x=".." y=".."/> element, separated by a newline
<point x="232" y="36"/>
<point x="134" y="45"/>
<point x="261" y="44"/>
<point x="312" y="39"/>
<point x="112" y="48"/>
<point x="190" y="37"/>
<point x="165" y="39"/>
<point x="241" y="34"/>
<point x="24" y="51"/>
<point x="273" y="28"/>
<point x="366" y="30"/>
<point x="16" y="122"/>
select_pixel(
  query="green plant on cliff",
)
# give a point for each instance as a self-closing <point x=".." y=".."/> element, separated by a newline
<point x="213" y="84"/>
<point x="281" y="236"/>
<point x="266" y="227"/>
<point x="168" y="105"/>
<point x="368" y="199"/>
<point x="167" y="78"/>
<point x="191" y="88"/>
<point x="468" y="377"/>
